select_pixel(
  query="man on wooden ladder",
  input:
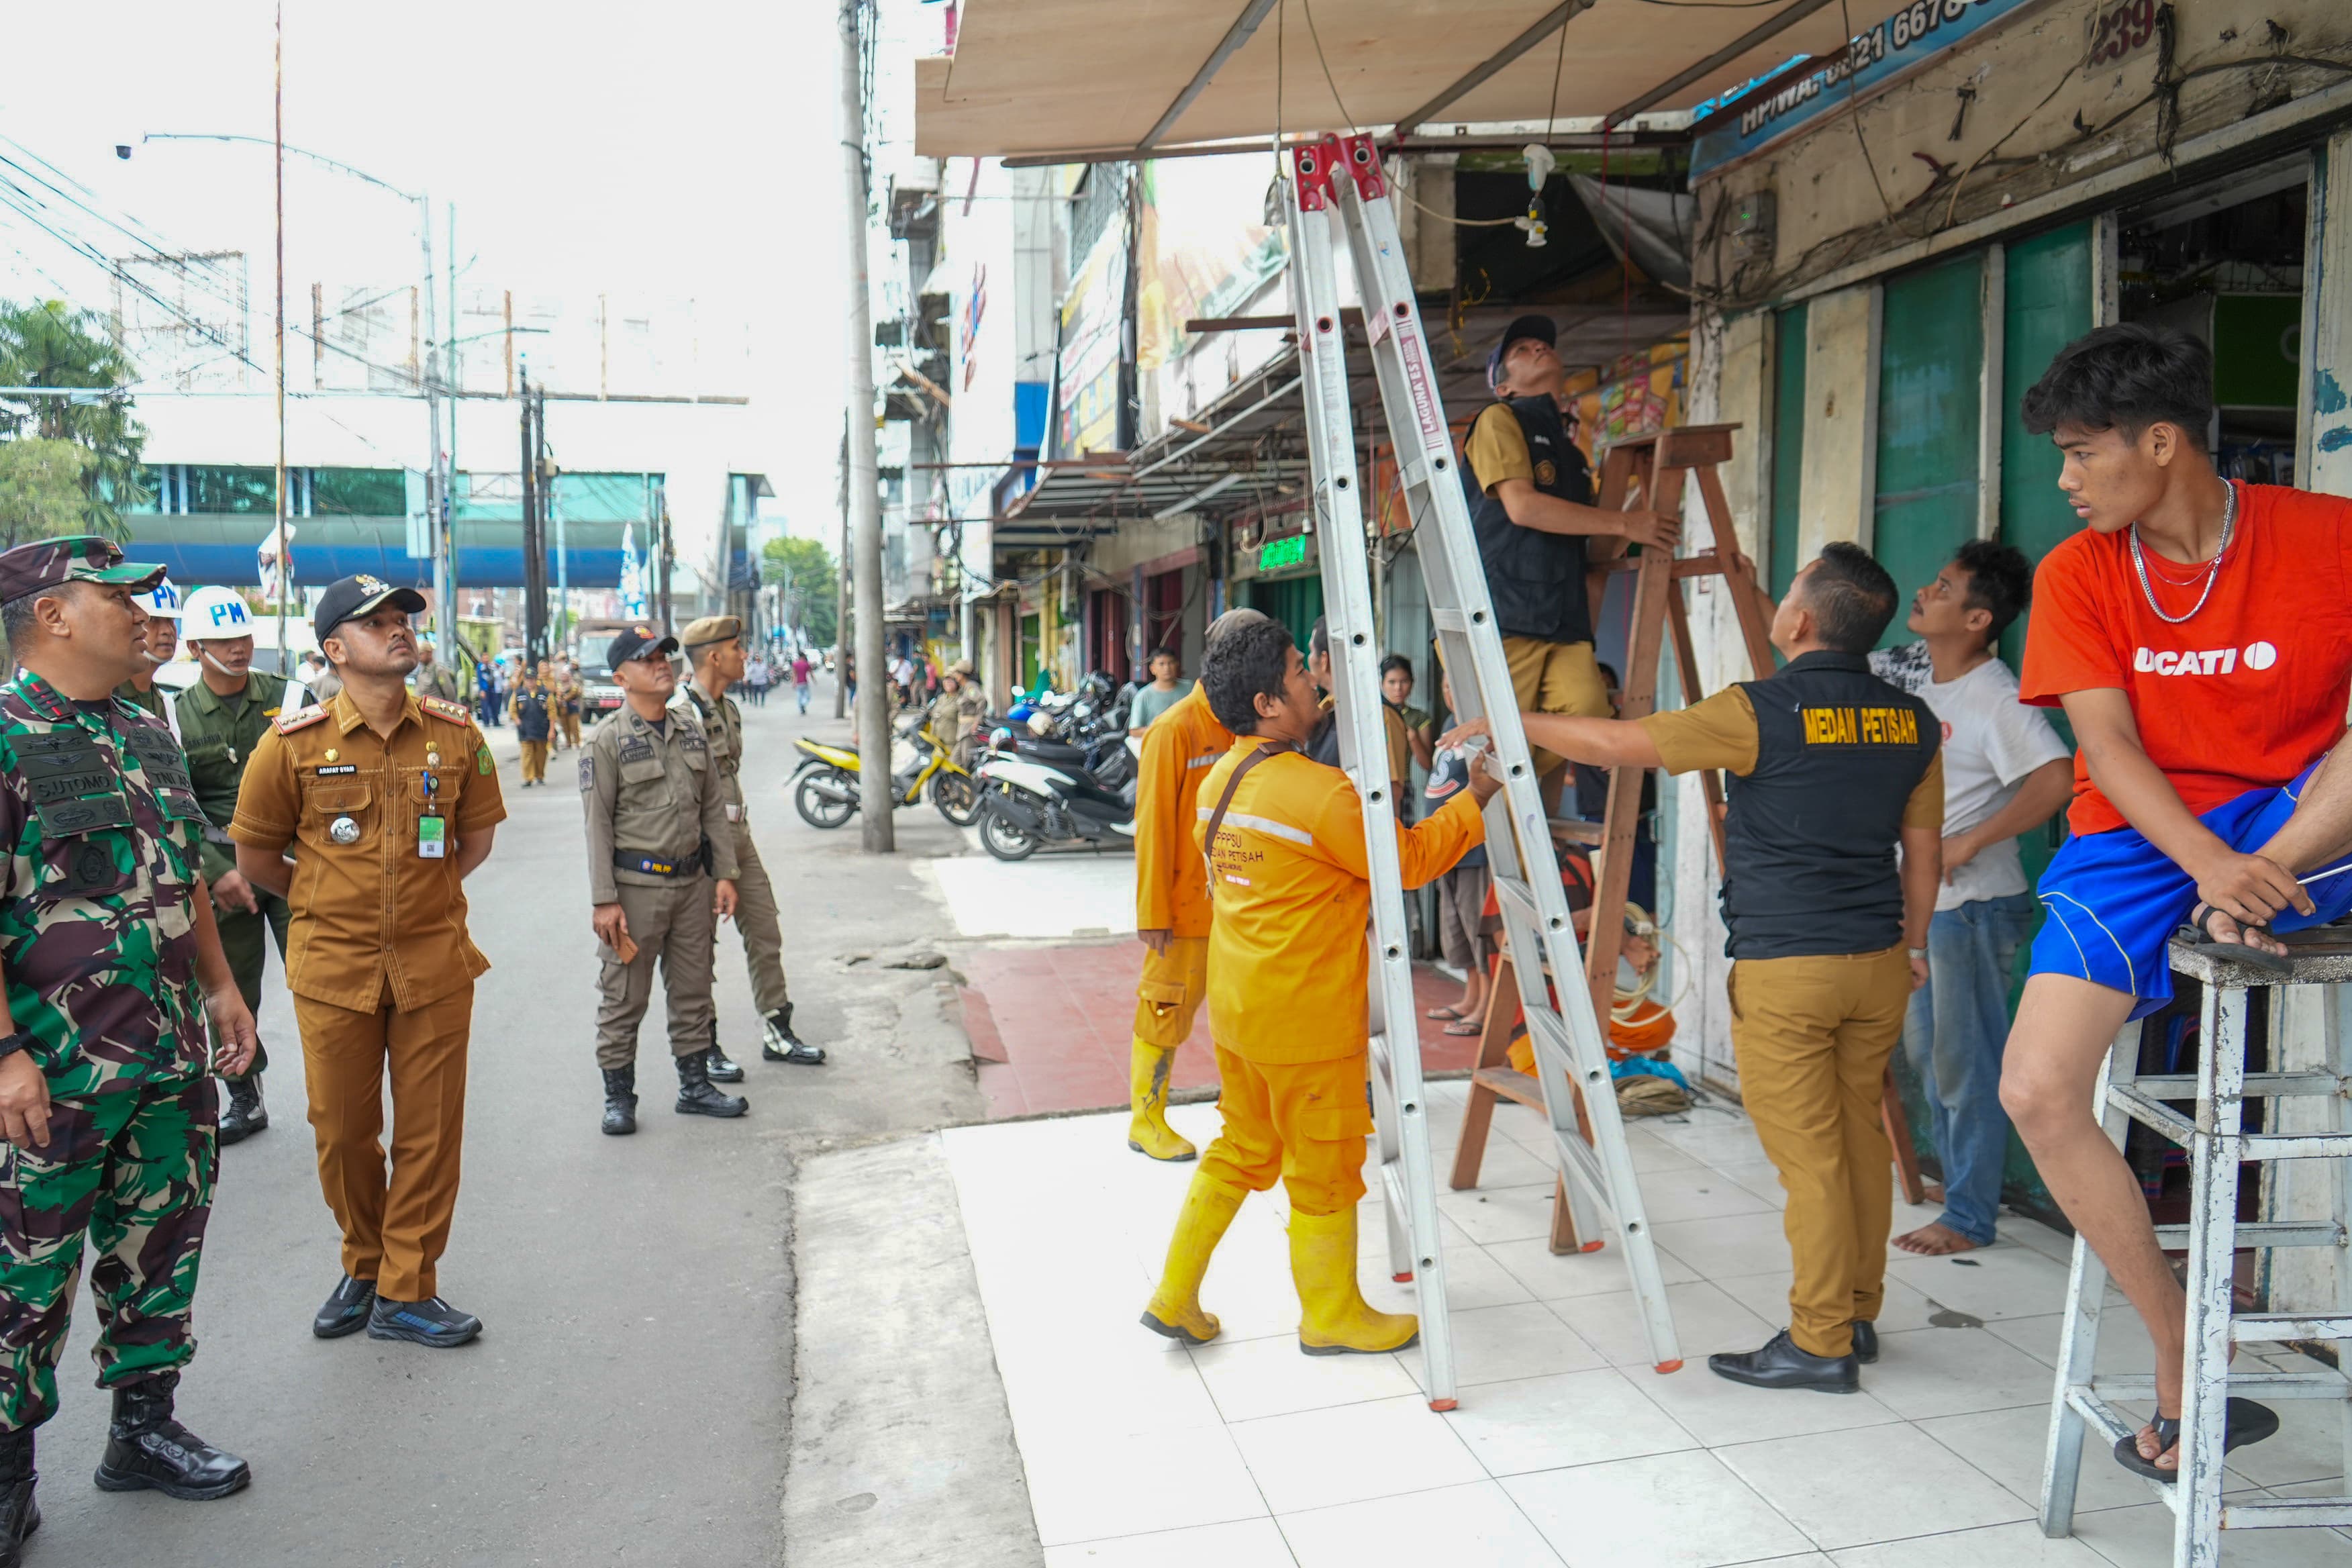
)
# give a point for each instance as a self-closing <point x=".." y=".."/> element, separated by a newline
<point x="1830" y="768"/>
<point x="1289" y="991"/>
<point x="1171" y="902"/>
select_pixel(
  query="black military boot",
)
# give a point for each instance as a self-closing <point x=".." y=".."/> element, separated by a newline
<point x="146" y="1448"/>
<point x="780" y="1045"/>
<point x="620" y="1100"/>
<point x="246" y="1115"/>
<point x="695" y="1094"/>
<point x="19" y="1514"/>
<point x="716" y="1062"/>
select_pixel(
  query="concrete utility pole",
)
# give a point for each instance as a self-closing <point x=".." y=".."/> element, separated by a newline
<point x="285" y="566"/>
<point x="879" y="832"/>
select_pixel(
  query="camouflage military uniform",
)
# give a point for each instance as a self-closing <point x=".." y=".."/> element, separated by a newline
<point x="219" y="734"/>
<point x="98" y="940"/>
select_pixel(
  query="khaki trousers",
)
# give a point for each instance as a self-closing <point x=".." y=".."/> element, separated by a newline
<point x="534" y="762"/>
<point x="570" y="729"/>
<point x="394" y="1224"/>
<point x="672" y="923"/>
<point x="758" y="918"/>
<point x="1812" y="1037"/>
<point x="1168" y="995"/>
<point x="1303" y="1124"/>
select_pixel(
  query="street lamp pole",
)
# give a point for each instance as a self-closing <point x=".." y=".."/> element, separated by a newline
<point x="278" y="548"/>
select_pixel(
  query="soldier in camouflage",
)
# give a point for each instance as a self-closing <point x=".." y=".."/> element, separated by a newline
<point x="220" y="719"/>
<point x="113" y="972"/>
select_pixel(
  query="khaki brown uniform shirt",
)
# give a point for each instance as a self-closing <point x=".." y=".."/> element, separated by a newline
<point x="373" y="912"/>
<point x="654" y="793"/>
<point x="723" y="725"/>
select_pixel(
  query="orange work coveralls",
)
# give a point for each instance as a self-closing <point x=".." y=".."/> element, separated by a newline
<point x="1171" y="886"/>
<point x="1289" y="970"/>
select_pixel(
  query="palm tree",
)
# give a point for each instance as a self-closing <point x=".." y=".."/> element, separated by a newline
<point x="50" y="343"/>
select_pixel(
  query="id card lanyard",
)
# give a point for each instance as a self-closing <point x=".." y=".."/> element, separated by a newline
<point x="432" y="827"/>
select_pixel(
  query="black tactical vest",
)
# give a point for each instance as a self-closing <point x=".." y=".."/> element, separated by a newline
<point x="1810" y="834"/>
<point x="1536" y="580"/>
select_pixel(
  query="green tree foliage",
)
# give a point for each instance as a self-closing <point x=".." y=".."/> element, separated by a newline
<point x="811" y="582"/>
<point x="50" y="343"/>
<point x="42" y="489"/>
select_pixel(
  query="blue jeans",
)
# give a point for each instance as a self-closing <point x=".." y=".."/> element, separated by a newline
<point x="1953" y="1037"/>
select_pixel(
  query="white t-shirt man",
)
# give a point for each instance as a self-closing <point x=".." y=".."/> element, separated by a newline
<point x="1991" y="741"/>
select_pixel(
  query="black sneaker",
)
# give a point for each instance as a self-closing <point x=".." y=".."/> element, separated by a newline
<point x="346" y="1310"/>
<point x="431" y="1322"/>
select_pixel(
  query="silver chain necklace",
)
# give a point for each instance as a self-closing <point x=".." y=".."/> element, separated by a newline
<point x="2139" y="563"/>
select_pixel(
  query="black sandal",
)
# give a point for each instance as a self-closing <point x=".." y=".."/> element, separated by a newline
<point x="2197" y="933"/>
<point x="2247" y="1422"/>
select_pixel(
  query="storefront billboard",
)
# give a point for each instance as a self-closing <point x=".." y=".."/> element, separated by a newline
<point x="1914" y="35"/>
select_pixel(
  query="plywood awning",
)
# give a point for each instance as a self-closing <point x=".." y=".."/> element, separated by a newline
<point x="1031" y="77"/>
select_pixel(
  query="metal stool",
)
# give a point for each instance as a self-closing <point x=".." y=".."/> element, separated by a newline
<point x="2216" y="1144"/>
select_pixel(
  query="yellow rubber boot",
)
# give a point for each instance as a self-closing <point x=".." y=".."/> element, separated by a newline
<point x="1334" y="1317"/>
<point x="1175" y="1310"/>
<point x="1147" y="1131"/>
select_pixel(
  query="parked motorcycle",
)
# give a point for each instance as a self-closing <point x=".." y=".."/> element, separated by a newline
<point x="826" y="791"/>
<point x="1027" y="800"/>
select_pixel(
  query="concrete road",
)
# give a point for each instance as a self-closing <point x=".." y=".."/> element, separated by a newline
<point x="628" y="1400"/>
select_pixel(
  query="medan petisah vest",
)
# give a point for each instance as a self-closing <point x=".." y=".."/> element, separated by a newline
<point x="1536" y="580"/>
<point x="1810" y="837"/>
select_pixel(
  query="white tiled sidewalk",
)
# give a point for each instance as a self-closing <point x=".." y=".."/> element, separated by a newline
<point x="1567" y="1449"/>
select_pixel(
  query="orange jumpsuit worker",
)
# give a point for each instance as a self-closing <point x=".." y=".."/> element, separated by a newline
<point x="388" y="800"/>
<point x="1171" y="902"/>
<point x="1287" y="995"/>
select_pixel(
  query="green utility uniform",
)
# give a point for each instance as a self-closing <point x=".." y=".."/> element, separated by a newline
<point x="219" y="734"/>
<point x="154" y="700"/>
<point x="97" y="939"/>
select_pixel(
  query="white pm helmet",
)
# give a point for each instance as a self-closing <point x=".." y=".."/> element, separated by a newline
<point x="161" y="602"/>
<point x="211" y="613"/>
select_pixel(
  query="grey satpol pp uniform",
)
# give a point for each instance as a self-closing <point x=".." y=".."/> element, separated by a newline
<point x="654" y="798"/>
<point x="756" y="914"/>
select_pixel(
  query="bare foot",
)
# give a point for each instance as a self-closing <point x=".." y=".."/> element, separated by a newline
<point x="1935" y="1240"/>
<point x="2223" y="927"/>
<point x="2152" y="1449"/>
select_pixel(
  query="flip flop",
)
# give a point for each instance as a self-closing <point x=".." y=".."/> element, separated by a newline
<point x="1449" y="1014"/>
<point x="1465" y="1027"/>
<point x="2247" y="1422"/>
<point x="2198" y="931"/>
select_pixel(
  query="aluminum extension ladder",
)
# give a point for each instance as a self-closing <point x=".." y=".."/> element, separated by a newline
<point x="1339" y="181"/>
<point x="2214" y="1136"/>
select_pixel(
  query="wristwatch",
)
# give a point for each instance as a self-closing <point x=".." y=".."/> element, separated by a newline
<point x="22" y="1039"/>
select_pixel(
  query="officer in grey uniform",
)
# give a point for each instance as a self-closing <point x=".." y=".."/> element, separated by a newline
<point x="714" y="645"/>
<point x="658" y="834"/>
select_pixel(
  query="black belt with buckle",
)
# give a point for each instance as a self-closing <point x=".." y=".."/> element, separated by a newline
<point x="677" y="870"/>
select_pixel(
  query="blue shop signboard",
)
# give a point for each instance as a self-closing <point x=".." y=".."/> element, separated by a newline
<point x="1907" y="40"/>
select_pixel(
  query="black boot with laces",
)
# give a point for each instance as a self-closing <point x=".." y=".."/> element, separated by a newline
<point x="696" y="1097"/>
<point x="620" y="1100"/>
<point x="146" y="1449"/>
<point x="19" y="1514"/>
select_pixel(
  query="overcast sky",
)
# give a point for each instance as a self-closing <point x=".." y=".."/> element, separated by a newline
<point x="678" y="148"/>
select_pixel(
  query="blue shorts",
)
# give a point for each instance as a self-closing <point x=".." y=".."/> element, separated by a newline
<point x="2114" y="899"/>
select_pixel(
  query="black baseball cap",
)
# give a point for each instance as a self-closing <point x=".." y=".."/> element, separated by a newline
<point x="1539" y="328"/>
<point x="348" y="598"/>
<point x="635" y="642"/>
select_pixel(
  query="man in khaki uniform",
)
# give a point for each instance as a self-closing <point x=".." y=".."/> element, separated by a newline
<point x="569" y="693"/>
<point x="438" y="679"/>
<point x="714" y="646"/>
<point x="957" y="711"/>
<point x="388" y="800"/>
<point x="657" y="832"/>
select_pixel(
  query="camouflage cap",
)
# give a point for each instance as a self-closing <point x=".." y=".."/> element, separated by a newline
<point x="710" y="629"/>
<point x="79" y="558"/>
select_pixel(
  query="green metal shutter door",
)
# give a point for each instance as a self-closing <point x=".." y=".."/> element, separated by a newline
<point x="2048" y="306"/>
<point x="1788" y="446"/>
<point x="1930" y="389"/>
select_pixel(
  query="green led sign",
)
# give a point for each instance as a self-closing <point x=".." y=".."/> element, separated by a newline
<point x="1276" y="553"/>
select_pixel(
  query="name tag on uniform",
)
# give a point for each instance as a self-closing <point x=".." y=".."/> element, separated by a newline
<point x="734" y="812"/>
<point x="433" y="837"/>
<point x="325" y="771"/>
